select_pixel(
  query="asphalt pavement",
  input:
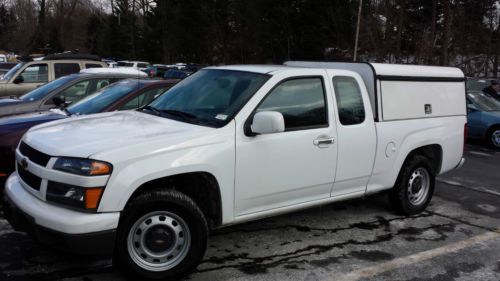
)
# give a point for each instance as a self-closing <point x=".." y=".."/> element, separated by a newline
<point x="457" y="238"/>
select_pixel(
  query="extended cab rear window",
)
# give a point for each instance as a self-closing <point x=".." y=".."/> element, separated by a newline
<point x="349" y="100"/>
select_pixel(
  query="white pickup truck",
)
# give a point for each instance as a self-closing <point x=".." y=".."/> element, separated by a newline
<point x="233" y="144"/>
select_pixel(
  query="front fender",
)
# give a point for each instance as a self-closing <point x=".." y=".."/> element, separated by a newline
<point x="216" y="158"/>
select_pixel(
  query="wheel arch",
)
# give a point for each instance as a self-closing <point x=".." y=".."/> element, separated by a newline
<point x="434" y="152"/>
<point x="200" y="186"/>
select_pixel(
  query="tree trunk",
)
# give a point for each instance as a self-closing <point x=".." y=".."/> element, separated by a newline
<point x="446" y="33"/>
<point x="163" y="7"/>
<point x="429" y="52"/>
<point x="401" y="22"/>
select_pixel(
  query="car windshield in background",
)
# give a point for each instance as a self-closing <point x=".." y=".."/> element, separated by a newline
<point x="478" y="84"/>
<point x="12" y="71"/>
<point x="210" y="97"/>
<point x="484" y="102"/>
<point x="103" y="98"/>
<point x="42" y="91"/>
<point x="125" y="64"/>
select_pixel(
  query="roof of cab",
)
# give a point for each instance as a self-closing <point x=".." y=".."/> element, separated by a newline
<point x="264" y="69"/>
<point x="383" y="69"/>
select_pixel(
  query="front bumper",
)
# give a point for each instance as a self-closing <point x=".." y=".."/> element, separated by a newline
<point x="56" y="227"/>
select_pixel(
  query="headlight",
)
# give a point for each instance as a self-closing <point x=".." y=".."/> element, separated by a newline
<point x="83" y="198"/>
<point x="84" y="167"/>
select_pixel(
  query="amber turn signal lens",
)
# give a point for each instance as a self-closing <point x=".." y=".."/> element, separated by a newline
<point x="92" y="197"/>
<point x="99" y="168"/>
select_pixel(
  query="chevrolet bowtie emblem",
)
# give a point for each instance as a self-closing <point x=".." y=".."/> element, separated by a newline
<point x="24" y="163"/>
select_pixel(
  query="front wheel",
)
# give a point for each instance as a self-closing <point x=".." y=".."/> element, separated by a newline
<point x="414" y="187"/>
<point x="163" y="234"/>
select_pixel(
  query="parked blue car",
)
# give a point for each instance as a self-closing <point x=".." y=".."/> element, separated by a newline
<point x="483" y="117"/>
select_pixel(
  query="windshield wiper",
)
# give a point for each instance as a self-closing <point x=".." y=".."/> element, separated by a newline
<point x="184" y="115"/>
<point x="188" y="117"/>
<point x="152" y="109"/>
<point x="67" y="111"/>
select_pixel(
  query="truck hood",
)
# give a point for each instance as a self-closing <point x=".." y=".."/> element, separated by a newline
<point x="88" y="135"/>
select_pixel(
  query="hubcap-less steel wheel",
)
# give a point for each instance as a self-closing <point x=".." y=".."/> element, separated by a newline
<point x="159" y="241"/>
<point x="418" y="186"/>
<point x="495" y="138"/>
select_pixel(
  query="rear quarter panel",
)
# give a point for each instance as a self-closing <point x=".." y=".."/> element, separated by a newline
<point x="397" y="139"/>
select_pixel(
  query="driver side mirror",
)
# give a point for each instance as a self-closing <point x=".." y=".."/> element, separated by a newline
<point x="268" y="122"/>
<point x="19" y="79"/>
<point x="60" y="101"/>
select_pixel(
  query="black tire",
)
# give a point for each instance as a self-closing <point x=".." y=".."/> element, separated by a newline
<point x="168" y="202"/>
<point x="492" y="141"/>
<point x="399" y="196"/>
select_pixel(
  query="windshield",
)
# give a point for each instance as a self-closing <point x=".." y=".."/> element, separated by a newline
<point x="484" y="102"/>
<point x="210" y="97"/>
<point x="476" y="84"/>
<point x="103" y="98"/>
<point x="124" y="63"/>
<point x="42" y="91"/>
<point x="12" y="71"/>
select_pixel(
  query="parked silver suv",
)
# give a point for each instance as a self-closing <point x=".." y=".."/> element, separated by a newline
<point x="27" y="76"/>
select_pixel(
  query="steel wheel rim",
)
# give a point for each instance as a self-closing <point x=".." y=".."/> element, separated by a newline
<point x="142" y="235"/>
<point x="495" y="138"/>
<point x="418" y="186"/>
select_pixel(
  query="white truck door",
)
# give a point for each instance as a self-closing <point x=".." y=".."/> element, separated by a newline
<point x="291" y="167"/>
<point x="357" y="139"/>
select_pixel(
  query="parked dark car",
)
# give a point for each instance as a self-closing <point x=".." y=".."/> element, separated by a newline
<point x="483" y="117"/>
<point x="156" y="71"/>
<point x="71" y="89"/>
<point x="176" y="74"/>
<point x="6" y="66"/>
<point x="123" y="95"/>
<point x="193" y="67"/>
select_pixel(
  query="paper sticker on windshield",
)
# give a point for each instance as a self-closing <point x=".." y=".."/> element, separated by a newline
<point x="221" y="117"/>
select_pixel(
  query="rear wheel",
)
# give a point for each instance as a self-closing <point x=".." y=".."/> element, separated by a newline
<point x="414" y="187"/>
<point x="163" y="234"/>
<point x="494" y="137"/>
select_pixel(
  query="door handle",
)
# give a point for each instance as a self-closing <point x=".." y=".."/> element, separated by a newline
<point x="323" y="141"/>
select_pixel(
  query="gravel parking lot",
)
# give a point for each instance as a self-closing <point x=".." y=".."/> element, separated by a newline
<point x="457" y="238"/>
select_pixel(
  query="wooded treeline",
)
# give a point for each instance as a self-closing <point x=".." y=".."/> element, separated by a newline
<point x="462" y="33"/>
